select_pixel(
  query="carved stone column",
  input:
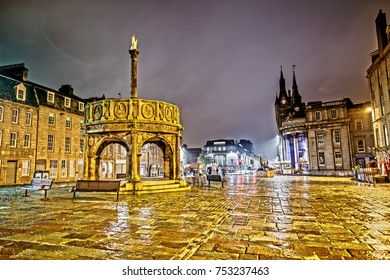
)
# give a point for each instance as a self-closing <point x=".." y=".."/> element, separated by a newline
<point x="167" y="169"/>
<point x="177" y="158"/>
<point x="134" y="58"/>
<point x="134" y="158"/>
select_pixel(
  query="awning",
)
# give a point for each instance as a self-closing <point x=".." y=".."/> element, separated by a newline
<point x="363" y="156"/>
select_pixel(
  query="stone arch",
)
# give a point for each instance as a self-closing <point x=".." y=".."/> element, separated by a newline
<point x="95" y="146"/>
<point x="145" y="121"/>
<point x="168" y="154"/>
<point x="105" y="142"/>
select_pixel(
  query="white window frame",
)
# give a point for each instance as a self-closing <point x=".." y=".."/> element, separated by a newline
<point x="338" y="158"/>
<point x="15" y="116"/>
<point x="13" y="139"/>
<point x="361" y="148"/>
<point x="337" y="136"/>
<point x="81" y="106"/>
<point x="50" y="97"/>
<point x="320" y="137"/>
<point x="1" y="113"/>
<point x="68" y="142"/>
<point x="29" y="118"/>
<point x="68" y="123"/>
<point x="27" y="140"/>
<point x="52" y="119"/>
<point x="26" y="167"/>
<point x="67" y="102"/>
<point x="1" y="136"/>
<point x="20" y="91"/>
<point x="318" y="115"/>
<point x="50" y="142"/>
<point x="359" y="125"/>
<point x="20" y="95"/>
<point x="64" y="168"/>
<point x="72" y="168"/>
<point x="333" y="114"/>
<point x="53" y="168"/>
<point x="324" y="161"/>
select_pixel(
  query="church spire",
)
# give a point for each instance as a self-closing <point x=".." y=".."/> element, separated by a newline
<point x="282" y="86"/>
<point x="296" y="97"/>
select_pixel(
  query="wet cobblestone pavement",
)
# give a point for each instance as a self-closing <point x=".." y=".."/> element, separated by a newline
<point x="280" y="218"/>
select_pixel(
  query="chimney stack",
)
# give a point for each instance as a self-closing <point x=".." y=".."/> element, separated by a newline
<point x="381" y="34"/>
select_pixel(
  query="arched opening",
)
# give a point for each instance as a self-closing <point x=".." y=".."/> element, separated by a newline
<point x="152" y="161"/>
<point x="112" y="160"/>
<point x="156" y="159"/>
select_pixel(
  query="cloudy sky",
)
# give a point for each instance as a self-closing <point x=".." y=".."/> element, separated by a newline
<point x="218" y="60"/>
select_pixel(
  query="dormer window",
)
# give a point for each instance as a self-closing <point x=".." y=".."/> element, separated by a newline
<point x="81" y="106"/>
<point x="20" y="92"/>
<point x="50" y="97"/>
<point x="67" y="102"/>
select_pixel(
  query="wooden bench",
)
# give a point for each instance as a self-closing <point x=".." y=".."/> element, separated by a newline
<point x="37" y="184"/>
<point x="215" y="178"/>
<point x="96" y="186"/>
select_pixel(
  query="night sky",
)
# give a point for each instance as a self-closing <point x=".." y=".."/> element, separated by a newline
<point x="219" y="61"/>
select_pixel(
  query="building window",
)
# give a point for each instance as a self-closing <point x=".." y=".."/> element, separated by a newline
<point x="50" y="142"/>
<point x="371" y="86"/>
<point x="53" y="169"/>
<point x="64" y="168"/>
<point x="386" y="135"/>
<point x="68" y="123"/>
<point x="52" y="119"/>
<point x="1" y="113"/>
<point x="50" y="97"/>
<point x="336" y="136"/>
<point x="26" y="165"/>
<point x="320" y="138"/>
<point x="318" y="116"/>
<point x="361" y="146"/>
<point x="359" y="125"/>
<point x="321" y="158"/>
<point x="377" y="136"/>
<point x="21" y="94"/>
<point x="13" y="139"/>
<point x="81" y="106"/>
<point x="67" y="102"/>
<point x="28" y="118"/>
<point x="382" y="101"/>
<point x="338" y="159"/>
<point x="333" y="114"/>
<point x="15" y="115"/>
<point x="1" y="136"/>
<point x="67" y="144"/>
<point x="72" y="168"/>
<point x="27" y="140"/>
<point x="81" y="146"/>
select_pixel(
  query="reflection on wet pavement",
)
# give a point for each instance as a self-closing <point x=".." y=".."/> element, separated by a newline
<point x="284" y="217"/>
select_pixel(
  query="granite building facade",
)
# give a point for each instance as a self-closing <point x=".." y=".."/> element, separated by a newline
<point x="319" y="137"/>
<point x="378" y="75"/>
<point x="39" y="129"/>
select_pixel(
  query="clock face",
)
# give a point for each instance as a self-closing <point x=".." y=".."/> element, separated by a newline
<point x="284" y="101"/>
<point x="296" y="109"/>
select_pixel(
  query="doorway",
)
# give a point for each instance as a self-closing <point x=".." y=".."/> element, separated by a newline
<point x="11" y="172"/>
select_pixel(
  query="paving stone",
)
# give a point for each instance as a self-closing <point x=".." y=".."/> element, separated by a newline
<point x="285" y="217"/>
